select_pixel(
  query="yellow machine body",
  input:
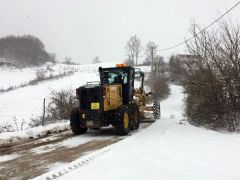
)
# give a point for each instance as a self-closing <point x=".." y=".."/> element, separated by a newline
<point x="112" y="97"/>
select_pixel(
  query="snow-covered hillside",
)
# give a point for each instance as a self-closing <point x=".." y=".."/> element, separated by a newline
<point x="169" y="149"/>
<point x="11" y="76"/>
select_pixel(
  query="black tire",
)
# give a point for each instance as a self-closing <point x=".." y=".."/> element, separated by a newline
<point x="156" y="109"/>
<point x="135" y="117"/>
<point x="75" y="122"/>
<point x="122" y="125"/>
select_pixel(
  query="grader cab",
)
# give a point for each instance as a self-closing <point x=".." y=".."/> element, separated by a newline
<point x="112" y="101"/>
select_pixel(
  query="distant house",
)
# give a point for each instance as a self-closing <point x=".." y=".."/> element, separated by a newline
<point x="188" y="58"/>
<point x="182" y="65"/>
<point x="187" y="61"/>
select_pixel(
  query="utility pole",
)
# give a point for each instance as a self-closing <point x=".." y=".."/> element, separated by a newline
<point x="157" y="66"/>
<point x="151" y="49"/>
<point x="152" y="58"/>
<point x="43" y="118"/>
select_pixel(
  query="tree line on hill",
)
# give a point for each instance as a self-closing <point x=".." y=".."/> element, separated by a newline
<point x="24" y="51"/>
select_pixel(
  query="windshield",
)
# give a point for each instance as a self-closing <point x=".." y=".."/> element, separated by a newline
<point x="115" y="77"/>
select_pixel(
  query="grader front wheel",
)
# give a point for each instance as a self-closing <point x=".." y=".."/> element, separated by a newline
<point x="123" y="121"/>
<point x="135" y="117"/>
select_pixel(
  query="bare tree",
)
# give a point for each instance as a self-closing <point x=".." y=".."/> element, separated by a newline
<point x="151" y="52"/>
<point x="159" y="65"/>
<point x="133" y="49"/>
<point x="52" y="57"/>
<point x="68" y="61"/>
<point x="213" y="87"/>
<point x="96" y="60"/>
<point x="159" y="85"/>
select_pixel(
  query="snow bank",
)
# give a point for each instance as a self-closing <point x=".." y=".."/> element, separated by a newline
<point x="33" y="132"/>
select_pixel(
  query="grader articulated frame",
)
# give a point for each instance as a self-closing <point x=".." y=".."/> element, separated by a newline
<point x="141" y="98"/>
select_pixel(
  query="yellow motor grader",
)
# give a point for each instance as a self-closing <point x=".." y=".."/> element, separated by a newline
<point x="112" y="101"/>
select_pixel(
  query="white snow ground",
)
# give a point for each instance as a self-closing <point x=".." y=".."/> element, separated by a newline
<point x="166" y="150"/>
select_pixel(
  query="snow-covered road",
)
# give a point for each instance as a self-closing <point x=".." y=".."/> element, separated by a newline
<point x="166" y="150"/>
<point x="32" y="157"/>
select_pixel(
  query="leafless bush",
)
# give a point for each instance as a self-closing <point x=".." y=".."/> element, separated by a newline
<point x="6" y="128"/>
<point x="40" y="75"/>
<point x="159" y="86"/>
<point x="19" y="125"/>
<point x="35" y="122"/>
<point x="180" y="66"/>
<point x="10" y="88"/>
<point x="14" y="126"/>
<point x="60" y="105"/>
<point x="213" y="88"/>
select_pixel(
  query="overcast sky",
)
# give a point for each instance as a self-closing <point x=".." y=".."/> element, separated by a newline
<point x="83" y="29"/>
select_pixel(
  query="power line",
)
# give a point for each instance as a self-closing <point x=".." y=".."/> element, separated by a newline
<point x="179" y="44"/>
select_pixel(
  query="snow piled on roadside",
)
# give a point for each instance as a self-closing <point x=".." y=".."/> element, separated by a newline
<point x="166" y="150"/>
<point x="33" y="132"/>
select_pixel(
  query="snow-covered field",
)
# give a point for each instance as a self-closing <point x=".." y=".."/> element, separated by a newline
<point x="12" y="76"/>
<point x="166" y="150"/>
<point x="22" y="104"/>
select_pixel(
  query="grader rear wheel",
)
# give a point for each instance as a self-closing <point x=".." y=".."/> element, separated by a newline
<point x="75" y="122"/>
